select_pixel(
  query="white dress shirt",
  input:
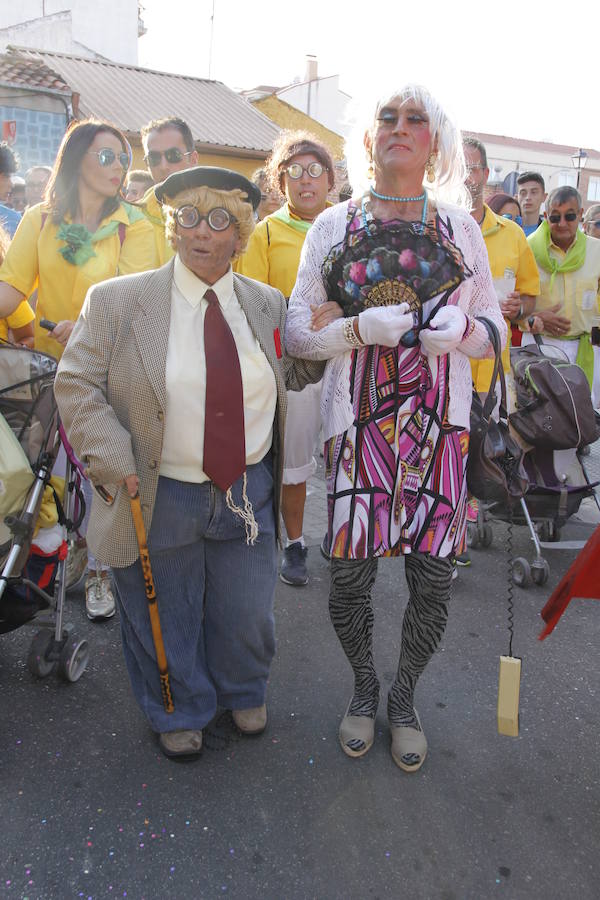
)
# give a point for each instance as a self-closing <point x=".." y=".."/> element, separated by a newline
<point x="183" y="443"/>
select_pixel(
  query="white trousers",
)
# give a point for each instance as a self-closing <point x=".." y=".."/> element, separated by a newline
<point x="302" y="428"/>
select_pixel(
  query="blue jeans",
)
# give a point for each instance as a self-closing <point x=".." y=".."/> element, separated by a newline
<point x="215" y="600"/>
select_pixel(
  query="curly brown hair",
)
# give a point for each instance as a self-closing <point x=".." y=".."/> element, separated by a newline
<point x="290" y="144"/>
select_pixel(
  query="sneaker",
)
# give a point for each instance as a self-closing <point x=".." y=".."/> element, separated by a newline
<point x="324" y="548"/>
<point x="463" y="559"/>
<point x="293" y="565"/>
<point x="76" y="563"/>
<point x="99" y="599"/>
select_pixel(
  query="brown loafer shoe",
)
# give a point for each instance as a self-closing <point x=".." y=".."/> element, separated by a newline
<point x="180" y="743"/>
<point x="250" y="721"/>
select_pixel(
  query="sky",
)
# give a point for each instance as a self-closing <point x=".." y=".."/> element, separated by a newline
<point x="507" y="68"/>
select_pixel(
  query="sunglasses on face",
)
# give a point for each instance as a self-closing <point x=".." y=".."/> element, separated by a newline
<point x="218" y="219"/>
<point x="568" y="217"/>
<point x="172" y="155"/>
<point x="595" y="224"/>
<point x="512" y="218"/>
<point x="314" y="169"/>
<point x="106" y="157"/>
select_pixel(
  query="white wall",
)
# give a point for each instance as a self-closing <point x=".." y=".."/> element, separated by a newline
<point x="322" y="100"/>
<point x="549" y="163"/>
<point x="107" y="27"/>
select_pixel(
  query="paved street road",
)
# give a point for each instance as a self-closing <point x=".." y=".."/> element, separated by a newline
<point x="92" y="809"/>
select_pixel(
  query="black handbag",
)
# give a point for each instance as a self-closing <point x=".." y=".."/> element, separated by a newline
<point x="495" y="472"/>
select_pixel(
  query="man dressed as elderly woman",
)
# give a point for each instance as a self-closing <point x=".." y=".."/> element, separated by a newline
<point x="408" y="267"/>
<point x="174" y="384"/>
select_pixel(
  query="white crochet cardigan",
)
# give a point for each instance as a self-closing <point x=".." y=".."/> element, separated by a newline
<point x="475" y="297"/>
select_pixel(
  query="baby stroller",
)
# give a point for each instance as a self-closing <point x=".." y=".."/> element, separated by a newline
<point x="32" y="557"/>
<point x="557" y="479"/>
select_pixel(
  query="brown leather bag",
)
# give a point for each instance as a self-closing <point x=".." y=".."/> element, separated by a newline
<point x="554" y="403"/>
<point x="495" y="471"/>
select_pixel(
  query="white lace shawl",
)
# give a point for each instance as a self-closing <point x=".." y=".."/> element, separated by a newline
<point x="476" y="297"/>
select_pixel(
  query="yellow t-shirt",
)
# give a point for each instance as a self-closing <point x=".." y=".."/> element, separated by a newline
<point x="273" y="254"/>
<point x="507" y="248"/>
<point x="578" y="292"/>
<point x="33" y="259"/>
<point x="22" y="316"/>
<point x="154" y="214"/>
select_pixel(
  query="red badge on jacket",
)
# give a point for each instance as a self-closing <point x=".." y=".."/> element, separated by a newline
<point x="277" y="339"/>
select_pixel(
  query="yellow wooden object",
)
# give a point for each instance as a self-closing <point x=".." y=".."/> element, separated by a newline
<point x="509" y="684"/>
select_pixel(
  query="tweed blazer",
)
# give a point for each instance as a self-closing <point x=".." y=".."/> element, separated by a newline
<point x="111" y="392"/>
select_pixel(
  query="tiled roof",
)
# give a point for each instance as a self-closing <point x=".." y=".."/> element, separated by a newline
<point x="30" y="73"/>
<point x="129" y="97"/>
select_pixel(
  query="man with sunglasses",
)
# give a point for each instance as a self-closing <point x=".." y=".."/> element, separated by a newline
<point x="568" y="260"/>
<point x="168" y="147"/>
<point x="302" y="169"/>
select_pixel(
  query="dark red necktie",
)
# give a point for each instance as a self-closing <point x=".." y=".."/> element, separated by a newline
<point x="224" y="440"/>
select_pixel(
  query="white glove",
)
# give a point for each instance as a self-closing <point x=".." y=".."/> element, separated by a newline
<point x="445" y="332"/>
<point x="384" y="325"/>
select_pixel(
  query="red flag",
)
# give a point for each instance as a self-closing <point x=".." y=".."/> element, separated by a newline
<point x="581" y="580"/>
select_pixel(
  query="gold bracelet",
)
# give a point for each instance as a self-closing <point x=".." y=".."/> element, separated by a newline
<point x="469" y="329"/>
<point x="349" y="333"/>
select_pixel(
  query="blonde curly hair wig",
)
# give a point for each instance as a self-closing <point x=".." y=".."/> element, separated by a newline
<point x="205" y="199"/>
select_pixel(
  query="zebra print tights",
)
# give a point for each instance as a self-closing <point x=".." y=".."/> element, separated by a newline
<point x="429" y="580"/>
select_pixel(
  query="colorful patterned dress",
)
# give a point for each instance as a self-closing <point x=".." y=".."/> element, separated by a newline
<point x="396" y="477"/>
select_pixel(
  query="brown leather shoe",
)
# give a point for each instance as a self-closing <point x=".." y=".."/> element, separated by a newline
<point x="180" y="743"/>
<point x="250" y="721"/>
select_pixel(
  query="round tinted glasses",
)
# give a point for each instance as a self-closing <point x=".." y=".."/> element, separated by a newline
<point x="314" y="169"/>
<point x="106" y="157"/>
<point x="218" y="219"/>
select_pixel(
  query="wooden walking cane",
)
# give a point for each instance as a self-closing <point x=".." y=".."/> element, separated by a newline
<point x="159" y="646"/>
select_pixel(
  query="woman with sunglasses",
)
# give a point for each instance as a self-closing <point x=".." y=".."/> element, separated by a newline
<point x="301" y="168"/>
<point x="82" y="233"/>
<point x="506" y="206"/>
<point x="408" y="266"/>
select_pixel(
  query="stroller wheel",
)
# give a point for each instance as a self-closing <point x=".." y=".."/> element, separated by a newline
<point x="486" y="536"/>
<point x="74" y="658"/>
<point x="540" y="570"/>
<point x="472" y="536"/>
<point x="521" y="572"/>
<point x="37" y="661"/>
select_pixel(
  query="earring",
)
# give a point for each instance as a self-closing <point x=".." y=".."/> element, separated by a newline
<point x="430" y="169"/>
<point x="370" y="170"/>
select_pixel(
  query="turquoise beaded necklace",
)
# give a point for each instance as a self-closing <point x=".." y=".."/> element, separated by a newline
<point x="380" y="196"/>
<point x="397" y="199"/>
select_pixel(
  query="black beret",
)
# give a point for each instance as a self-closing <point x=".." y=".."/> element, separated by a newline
<point x="206" y="176"/>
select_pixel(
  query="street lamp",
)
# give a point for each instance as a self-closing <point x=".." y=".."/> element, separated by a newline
<point x="579" y="160"/>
